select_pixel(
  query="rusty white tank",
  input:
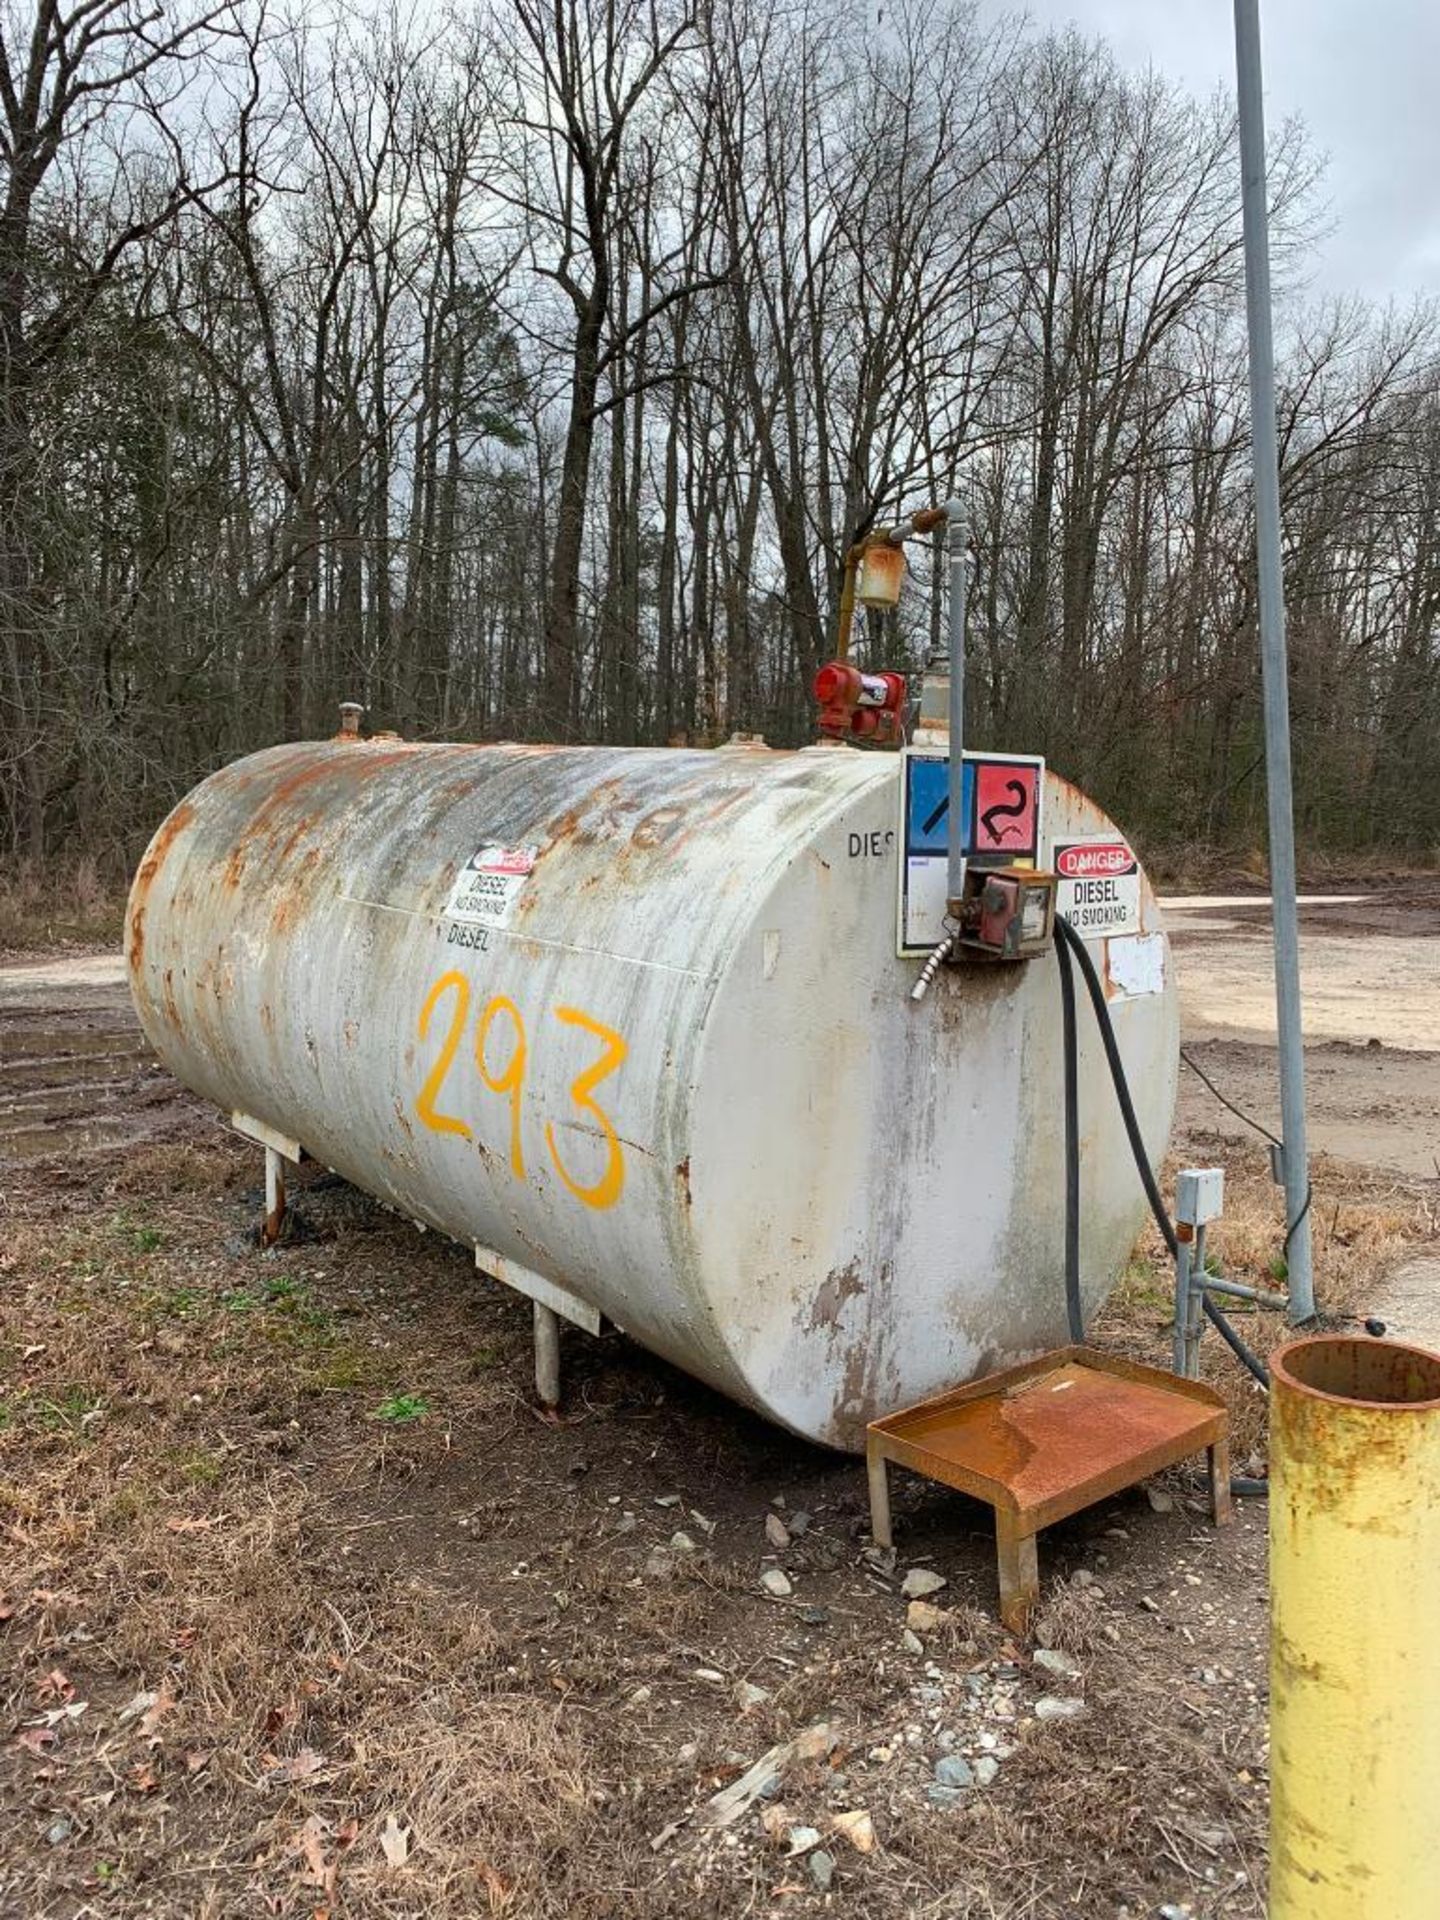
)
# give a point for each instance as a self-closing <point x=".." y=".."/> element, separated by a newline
<point x="631" y="1023"/>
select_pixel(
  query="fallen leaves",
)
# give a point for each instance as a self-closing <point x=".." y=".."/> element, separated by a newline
<point x="56" y="1685"/>
<point x="309" y="1843"/>
<point x="313" y="1842"/>
<point x="163" y="1703"/>
<point x="195" y="1523"/>
<point x="303" y="1765"/>
<point x="37" y="1740"/>
<point x="395" y="1841"/>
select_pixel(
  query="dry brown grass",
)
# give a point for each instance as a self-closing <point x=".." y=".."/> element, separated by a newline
<point x="1199" y="866"/>
<point x="161" y="1537"/>
<point x="345" y="1622"/>
<point x="41" y="910"/>
<point x="1362" y="1225"/>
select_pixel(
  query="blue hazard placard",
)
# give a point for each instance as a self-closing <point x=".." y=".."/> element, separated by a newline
<point x="927" y="813"/>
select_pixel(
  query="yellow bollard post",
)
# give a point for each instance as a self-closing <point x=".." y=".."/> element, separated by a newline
<point x="1354" y="1631"/>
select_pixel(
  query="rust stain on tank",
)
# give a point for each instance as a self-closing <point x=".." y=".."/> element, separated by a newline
<point x="869" y="1379"/>
<point x="682" y="1175"/>
<point x="160" y="846"/>
<point x="843" y="1284"/>
<point x="302" y="831"/>
<point x="155" y="857"/>
<point x="286" y="908"/>
<point x="658" y="827"/>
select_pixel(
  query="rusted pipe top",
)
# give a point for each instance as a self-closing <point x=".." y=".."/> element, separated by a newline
<point x="1380" y="1375"/>
<point x="350" y="712"/>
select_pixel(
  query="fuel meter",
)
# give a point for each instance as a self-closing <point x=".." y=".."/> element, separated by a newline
<point x="1006" y="914"/>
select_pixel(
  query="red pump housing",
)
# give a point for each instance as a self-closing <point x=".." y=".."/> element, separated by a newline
<point x="861" y="706"/>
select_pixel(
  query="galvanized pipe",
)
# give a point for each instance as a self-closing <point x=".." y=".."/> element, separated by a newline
<point x="1354" y="1646"/>
<point x="1195" y="1307"/>
<point x="954" y="516"/>
<point x="1265" y="456"/>
<point x="1184" y="1255"/>
<point x="1261" y="1295"/>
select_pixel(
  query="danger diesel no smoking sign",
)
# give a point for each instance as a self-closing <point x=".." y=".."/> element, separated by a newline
<point x="1099" y="891"/>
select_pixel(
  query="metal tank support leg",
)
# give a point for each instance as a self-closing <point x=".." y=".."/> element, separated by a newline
<point x="880" y="1531"/>
<point x="274" y="1197"/>
<point x="547" y="1355"/>
<point x="1018" y="1564"/>
<point x="1222" y="1507"/>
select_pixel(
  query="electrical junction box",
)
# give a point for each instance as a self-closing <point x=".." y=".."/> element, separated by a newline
<point x="1199" y="1195"/>
<point x="1007" y="914"/>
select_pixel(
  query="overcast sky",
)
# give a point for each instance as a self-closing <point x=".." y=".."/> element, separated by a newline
<point x="1365" y="77"/>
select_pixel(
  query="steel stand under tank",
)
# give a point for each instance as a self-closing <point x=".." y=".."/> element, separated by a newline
<point x="656" y="1048"/>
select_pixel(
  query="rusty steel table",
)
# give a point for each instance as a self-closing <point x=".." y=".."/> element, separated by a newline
<point x="1040" y="1441"/>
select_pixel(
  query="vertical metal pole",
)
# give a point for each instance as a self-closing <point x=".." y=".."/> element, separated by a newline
<point x="1265" y="454"/>
<point x="954" y="519"/>
<point x="875" y="1468"/>
<point x="547" y="1355"/>
<point x="1195" y="1308"/>
<point x="274" y="1197"/>
<point x="1180" y="1331"/>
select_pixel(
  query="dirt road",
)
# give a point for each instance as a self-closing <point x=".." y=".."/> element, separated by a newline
<point x="1370" y="982"/>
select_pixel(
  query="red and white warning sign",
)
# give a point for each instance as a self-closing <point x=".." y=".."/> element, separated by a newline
<point x="489" y="884"/>
<point x="1099" y="891"/>
<point x="1007" y="809"/>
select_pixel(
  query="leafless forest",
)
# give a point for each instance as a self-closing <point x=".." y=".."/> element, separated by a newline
<point x="526" y="370"/>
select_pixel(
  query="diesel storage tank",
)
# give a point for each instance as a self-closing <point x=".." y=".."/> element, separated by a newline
<point x="633" y="1023"/>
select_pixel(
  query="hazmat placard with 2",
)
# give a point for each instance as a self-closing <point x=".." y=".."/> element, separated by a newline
<point x="1099" y="890"/>
<point x="1001" y="801"/>
<point x="489" y="884"/>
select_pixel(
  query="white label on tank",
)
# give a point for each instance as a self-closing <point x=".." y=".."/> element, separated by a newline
<point x="1137" y="964"/>
<point x="489" y="884"/>
<point x="1099" y="891"/>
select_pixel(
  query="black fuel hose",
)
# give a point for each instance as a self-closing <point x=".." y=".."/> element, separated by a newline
<point x="1068" y="942"/>
<point x="1074" y="1305"/>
